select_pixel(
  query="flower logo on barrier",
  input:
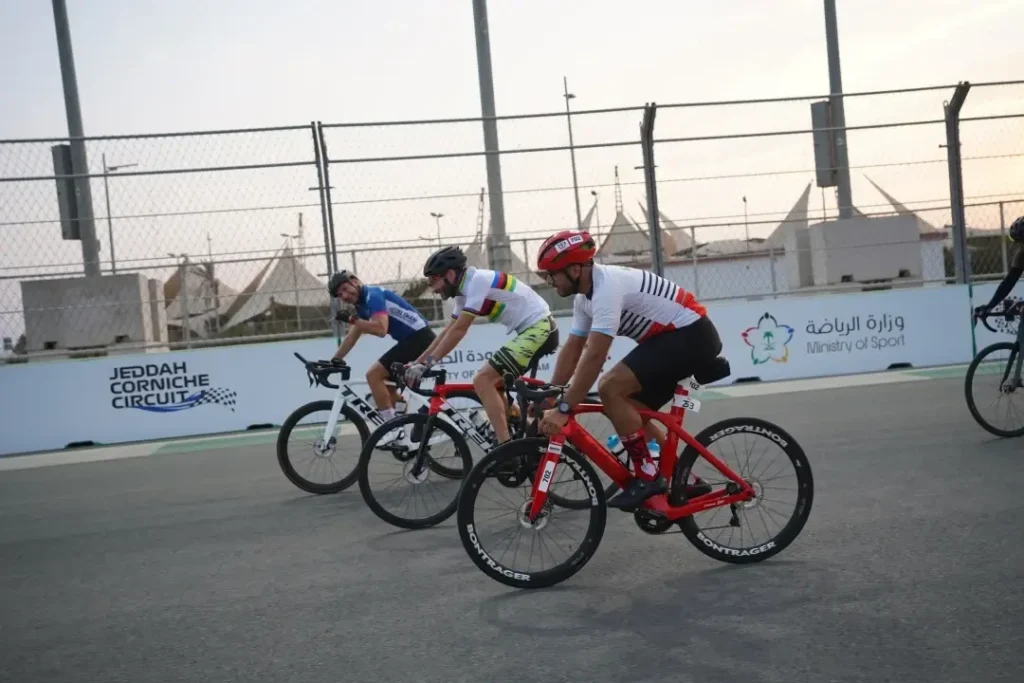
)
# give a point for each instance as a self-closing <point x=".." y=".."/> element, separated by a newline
<point x="768" y="340"/>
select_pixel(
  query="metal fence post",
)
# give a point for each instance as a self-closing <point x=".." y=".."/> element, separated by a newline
<point x="693" y="258"/>
<point x="86" y="225"/>
<point x="961" y="255"/>
<point x="328" y="246"/>
<point x="326" y="161"/>
<point x="1002" y="239"/>
<point x="653" y="216"/>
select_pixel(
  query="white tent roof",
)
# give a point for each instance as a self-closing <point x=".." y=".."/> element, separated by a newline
<point x="476" y="256"/>
<point x="923" y="225"/>
<point x="796" y="219"/>
<point x="285" y="281"/>
<point x="207" y="298"/>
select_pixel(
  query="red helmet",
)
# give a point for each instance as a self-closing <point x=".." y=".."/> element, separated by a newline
<point x="565" y="249"/>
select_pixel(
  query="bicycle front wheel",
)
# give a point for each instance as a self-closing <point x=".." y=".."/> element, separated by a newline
<point x="497" y="533"/>
<point x="407" y="488"/>
<point x="991" y="381"/>
<point x="327" y="466"/>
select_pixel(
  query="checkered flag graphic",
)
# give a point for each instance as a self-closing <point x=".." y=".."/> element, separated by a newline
<point x="224" y="397"/>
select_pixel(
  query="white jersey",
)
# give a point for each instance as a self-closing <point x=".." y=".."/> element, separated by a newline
<point x="633" y="303"/>
<point x="499" y="297"/>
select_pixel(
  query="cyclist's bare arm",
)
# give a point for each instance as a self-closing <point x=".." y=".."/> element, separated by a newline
<point x="594" y="355"/>
<point x="437" y="340"/>
<point x="348" y="342"/>
<point x="377" y="325"/>
<point x="568" y="358"/>
<point x="451" y="337"/>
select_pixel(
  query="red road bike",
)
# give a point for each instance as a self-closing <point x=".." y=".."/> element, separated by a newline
<point x="745" y="498"/>
<point x="421" y="457"/>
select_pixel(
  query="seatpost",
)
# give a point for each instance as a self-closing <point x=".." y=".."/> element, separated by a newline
<point x="677" y="410"/>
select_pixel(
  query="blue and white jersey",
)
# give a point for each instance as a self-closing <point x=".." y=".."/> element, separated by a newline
<point x="403" y="319"/>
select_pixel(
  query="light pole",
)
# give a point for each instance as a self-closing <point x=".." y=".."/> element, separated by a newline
<point x="746" y="226"/>
<point x="597" y="215"/>
<point x="572" y="153"/>
<point x="437" y="220"/>
<point x="79" y="161"/>
<point x="838" y="110"/>
<point x="186" y="321"/>
<point x="110" y="226"/>
<point x="295" y="279"/>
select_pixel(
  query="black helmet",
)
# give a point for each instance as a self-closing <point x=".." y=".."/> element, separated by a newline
<point x="443" y="259"/>
<point x="338" y="279"/>
<point x="1017" y="230"/>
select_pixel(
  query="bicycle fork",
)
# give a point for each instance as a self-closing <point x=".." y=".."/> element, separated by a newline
<point x="546" y="472"/>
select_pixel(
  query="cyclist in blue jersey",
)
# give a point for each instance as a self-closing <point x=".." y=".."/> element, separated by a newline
<point x="380" y="312"/>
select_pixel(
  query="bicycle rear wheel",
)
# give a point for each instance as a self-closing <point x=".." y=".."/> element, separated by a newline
<point x="988" y="365"/>
<point x="766" y="478"/>
<point x="493" y="553"/>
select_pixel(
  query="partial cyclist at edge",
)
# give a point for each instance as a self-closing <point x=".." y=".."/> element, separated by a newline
<point x="675" y="338"/>
<point x="380" y="312"/>
<point x="499" y="298"/>
<point x="1013" y="273"/>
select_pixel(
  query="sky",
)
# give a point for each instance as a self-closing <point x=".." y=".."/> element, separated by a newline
<point x="195" y="65"/>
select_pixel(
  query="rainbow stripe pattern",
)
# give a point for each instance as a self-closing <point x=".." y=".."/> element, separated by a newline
<point x="492" y="309"/>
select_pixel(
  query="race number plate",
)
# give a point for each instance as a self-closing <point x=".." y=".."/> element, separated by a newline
<point x="545" y="478"/>
<point x="687" y="403"/>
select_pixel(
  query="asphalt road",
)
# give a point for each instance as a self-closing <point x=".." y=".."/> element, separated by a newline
<point x="210" y="566"/>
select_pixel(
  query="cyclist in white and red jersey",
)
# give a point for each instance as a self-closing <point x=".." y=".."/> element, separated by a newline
<point x="674" y="338"/>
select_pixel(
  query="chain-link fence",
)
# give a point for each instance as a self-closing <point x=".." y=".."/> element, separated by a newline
<point x="200" y="235"/>
<point x="743" y="211"/>
<point x="992" y="148"/>
<point x="409" y="187"/>
<point x="229" y="236"/>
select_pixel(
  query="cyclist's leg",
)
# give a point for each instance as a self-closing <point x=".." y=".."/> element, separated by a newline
<point x="376" y="377"/>
<point x="616" y="388"/>
<point x="514" y="357"/>
<point x="648" y="376"/>
<point x="405" y="351"/>
<point x="485" y="382"/>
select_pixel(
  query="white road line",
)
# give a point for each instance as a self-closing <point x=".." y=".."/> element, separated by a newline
<point x="815" y="384"/>
<point x="74" y="457"/>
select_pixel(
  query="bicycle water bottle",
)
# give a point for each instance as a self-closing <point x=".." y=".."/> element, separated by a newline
<point x="614" y="444"/>
<point x="655" y="450"/>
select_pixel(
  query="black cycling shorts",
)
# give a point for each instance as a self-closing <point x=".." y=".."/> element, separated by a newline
<point x="409" y="349"/>
<point x="660" y="362"/>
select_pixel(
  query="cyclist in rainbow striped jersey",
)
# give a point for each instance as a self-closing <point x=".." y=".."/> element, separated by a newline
<point x="499" y="298"/>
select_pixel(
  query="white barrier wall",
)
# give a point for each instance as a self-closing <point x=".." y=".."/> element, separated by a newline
<point x="127" y="398"/>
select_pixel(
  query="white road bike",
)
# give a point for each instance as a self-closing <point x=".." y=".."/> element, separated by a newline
<point x="351" y="415"/>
